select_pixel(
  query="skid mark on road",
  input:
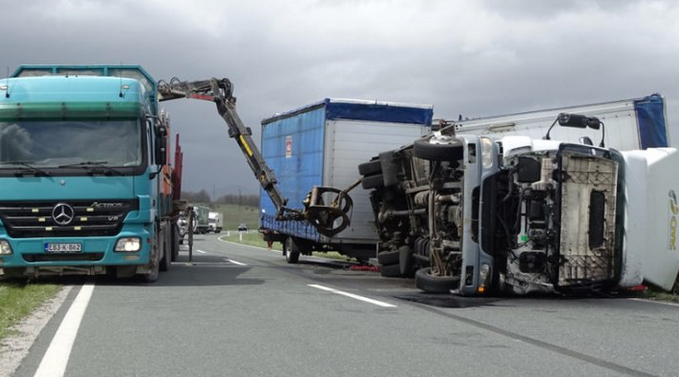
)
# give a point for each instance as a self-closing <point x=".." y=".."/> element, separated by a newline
<point x="621" y="369"/>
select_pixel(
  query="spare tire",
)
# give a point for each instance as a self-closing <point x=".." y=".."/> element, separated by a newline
<point x="444" y="148"/>
<point x="435" y="284"/>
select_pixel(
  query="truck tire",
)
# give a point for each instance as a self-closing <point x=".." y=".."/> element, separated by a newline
<point x="15" y="275"/>
<point x="373" y="181"/>
<point x="439" y="149"/>
<point x="370" y="168"/>
<point x="167" y="255"/>
<point x="152" y="276"/>
<point x="390" y="271"/>
<point x="388" y="257"/>
<point x="292" y="251"/>
<point x="175" y="242"/>
<point x="434" y="284"/>
<point x="164" y="242"/>
<point x="390" y="168"/>
<point x="406" y="261"/>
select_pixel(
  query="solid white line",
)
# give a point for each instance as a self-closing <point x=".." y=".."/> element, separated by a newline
<point x="357" y="297"/>
<point x="235" y="262"/>
<point x="54" y="362"/>
<point x="201" y="251"/>
<point x="654" y="301"/>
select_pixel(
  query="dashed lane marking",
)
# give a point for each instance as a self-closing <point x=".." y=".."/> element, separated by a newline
<point x="235" y="262"/>
<point x="351" y="295"/>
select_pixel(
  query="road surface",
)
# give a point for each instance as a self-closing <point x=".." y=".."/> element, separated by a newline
<point x="242" y="311"/>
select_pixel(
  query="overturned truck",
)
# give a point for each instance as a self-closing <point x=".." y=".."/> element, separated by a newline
<point x="478" y="214"/>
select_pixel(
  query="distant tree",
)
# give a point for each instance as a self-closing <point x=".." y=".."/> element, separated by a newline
<point x="202" y="196"/>
<point x="243" y="200"/>
<point x="196" y="197"/>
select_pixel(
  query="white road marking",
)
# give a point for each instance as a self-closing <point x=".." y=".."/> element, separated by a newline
<point x="54" y="362"/>
<point x="201" y="251"/>
<point x="654" y="301"/>
<point x="235" y="262"/>
<point x="357" y="297"/>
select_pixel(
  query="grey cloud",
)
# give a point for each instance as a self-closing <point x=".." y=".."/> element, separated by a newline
<point x="472" y="58"/>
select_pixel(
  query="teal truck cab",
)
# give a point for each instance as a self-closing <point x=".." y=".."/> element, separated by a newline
<point x="85" y="181"/>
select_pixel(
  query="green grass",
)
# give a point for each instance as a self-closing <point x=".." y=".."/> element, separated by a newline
<point x="19" y="299"/>
<point x="254" y="238"/>
<point x="235" y="214"/>
<point x="654" y="294"/>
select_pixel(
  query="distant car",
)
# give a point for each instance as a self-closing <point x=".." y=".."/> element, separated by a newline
<point x="181" y="224"/>
<point x="242" y="227"/>
<point x="183" y="228"/>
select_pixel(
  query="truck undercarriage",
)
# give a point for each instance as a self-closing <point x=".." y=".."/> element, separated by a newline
<point x="563" y="236"/>
<point x="464" y="217"/>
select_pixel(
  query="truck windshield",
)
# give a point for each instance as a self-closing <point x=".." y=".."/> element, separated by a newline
<point x="51" y="144"/>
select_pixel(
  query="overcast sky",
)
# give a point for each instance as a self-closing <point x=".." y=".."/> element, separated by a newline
<point x="476" y="58"/>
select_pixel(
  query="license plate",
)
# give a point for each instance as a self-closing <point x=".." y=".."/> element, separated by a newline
<point x="63" y="247"/>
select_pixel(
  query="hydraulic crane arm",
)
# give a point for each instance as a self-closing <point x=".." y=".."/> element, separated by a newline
<point x="327" y="219"/>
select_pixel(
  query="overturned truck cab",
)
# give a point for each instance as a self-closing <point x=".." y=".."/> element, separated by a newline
<point x="475" y="214"/>
<point x="559" y="218"/>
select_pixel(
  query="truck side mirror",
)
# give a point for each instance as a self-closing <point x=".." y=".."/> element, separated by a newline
<point x="161" y="145"/>
<point x="578" y="121"/>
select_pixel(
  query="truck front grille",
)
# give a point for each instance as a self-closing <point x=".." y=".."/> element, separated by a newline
<point x="92" y="257"/>
<point x="68" y="218"/>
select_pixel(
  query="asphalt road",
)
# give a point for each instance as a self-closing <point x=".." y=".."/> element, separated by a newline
<point x="242" y="311"/>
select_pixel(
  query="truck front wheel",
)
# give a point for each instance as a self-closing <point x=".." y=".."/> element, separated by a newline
<point x="176" y="240"/>
<point x="443" y="148"/>
<point x="152" y="276"/>
<point x="291" y="250"/>
<point x="425" y="281"/>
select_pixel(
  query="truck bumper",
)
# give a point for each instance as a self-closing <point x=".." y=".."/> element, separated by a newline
<point x="96" y="253"/>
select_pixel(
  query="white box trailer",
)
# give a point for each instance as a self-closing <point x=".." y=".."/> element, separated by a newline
<point x="322" y="144"/>
<point x="215" y="222"/>
<point x="630" y="124"/>
<point x="652" y="214"/>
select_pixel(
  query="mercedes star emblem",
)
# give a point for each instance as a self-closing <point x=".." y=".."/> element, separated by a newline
<point x="63" y="214"/>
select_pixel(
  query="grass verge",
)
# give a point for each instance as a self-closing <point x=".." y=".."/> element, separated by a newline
<point x="654" y="294"/>
<point x="254" y="238"/>
<point x="19" y="299"/>
<point x="234" y="215"/>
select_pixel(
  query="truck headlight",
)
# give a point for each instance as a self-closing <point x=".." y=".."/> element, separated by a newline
<point x="484" y="277"/>
<point x="5" y="248"/>
<point x="486" y="152"/>
<point x="129" y="244"/>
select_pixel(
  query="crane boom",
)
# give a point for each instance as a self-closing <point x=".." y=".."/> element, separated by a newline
<point x="328" y="219"/>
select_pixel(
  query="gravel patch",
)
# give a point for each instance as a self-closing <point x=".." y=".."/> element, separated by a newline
<point x="15" y="347"/>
